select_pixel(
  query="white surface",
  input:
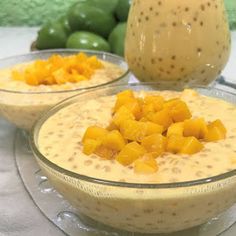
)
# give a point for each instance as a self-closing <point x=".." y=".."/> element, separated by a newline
<point x="15" y="219"/>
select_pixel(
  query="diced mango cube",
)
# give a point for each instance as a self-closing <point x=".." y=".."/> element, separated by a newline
<point x="191" y="145"/>
<point x="155" y="143"/>
<point x="122" y="98"/>
<point x="174" y="143"/>
<point x="134" y="106"/>
<point x="114" y="140"/>
<point x="152" y="128"/>
<point x="130" y="153"/>
<point x="176" y="129"/>
<point x="147" y="108"/>
<point x="171" y="103"/>
<point x="105" y="152"/>
<point x="112" y="126"/>
<point x="216" y="131"/>
<point x="132" y="130"/>
<point x="162" y="118"/>
<point x="94" y="132"/>
<point x="122" y="115"/>
<point x="195" y="127"/>
<point x="90" y="145"/>
<point x="145" y="165"/>
<point x="180" y="112"/>
<point x="137" y="130"/>
<point x="218" y="123"/>
<point x="154" y="100"/>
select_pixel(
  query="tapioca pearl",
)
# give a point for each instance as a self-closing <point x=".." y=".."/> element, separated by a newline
<point x="209" y="211"/>
<point x="148" y="211"/>
<point x="159" y="3"/>
<point x="202" y="7"/>
<point x="74" y="167"/>
<point x="70" y="159"/>
<point x="48" y="148"/>
<point x="175" y="170"/>
<point x="199" y="174"/>
<point x="106" y="168"/>
<point x="196" y="220"/>
<point x="174" y="24"/>
<point x="150" y="8"/>
<point x="98" y="209"/>
<point x="174" y="214"/>
<point x="186" y="222"/>
<point x="173" y="180"/>
<point x="149" y="224"/>
<point x="210" y="203"/>
<point x="160" y="221"/>
<point x="136" y="215"/>
<point x="201" y="23"/>
<point x="88" y="162"/>
<point x="186" y="9"/>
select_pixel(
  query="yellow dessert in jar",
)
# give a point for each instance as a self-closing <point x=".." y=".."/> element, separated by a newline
<point x="177" y="41"/>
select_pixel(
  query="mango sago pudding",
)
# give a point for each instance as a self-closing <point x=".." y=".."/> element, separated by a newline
<point x="151" y="137"/>
<point x="179" y="42"/>
<point x="145" y="128"/>
<point x="29" y="88"/>
<point x="142" y="161"/>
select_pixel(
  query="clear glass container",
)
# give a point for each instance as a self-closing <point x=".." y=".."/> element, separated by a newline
<point x="180" y="42"/>
<point x="135" y="207"/>
<point x="23" y="108"/>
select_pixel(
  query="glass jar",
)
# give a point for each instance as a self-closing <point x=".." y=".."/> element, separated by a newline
<point x="178" y="41"/>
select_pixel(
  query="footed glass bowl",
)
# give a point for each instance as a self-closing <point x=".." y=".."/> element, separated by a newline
<point x="137" y="207"/>
<point x="23" y="107"/>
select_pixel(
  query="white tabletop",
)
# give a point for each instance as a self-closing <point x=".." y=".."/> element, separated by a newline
<point x="16" y="207"/>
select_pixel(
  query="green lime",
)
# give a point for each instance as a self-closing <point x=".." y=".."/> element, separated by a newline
<point x="87" y="40"/>
<point x="65" y="23"/>
<point x="89" y="18"/>
<point x="51" y="35"/>
<point x="117" y="39"/>
<point x="122" y="9"/>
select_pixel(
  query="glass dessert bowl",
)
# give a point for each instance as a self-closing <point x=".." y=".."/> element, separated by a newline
<point x="22" y="103"/>
<point x="185" y="192"/>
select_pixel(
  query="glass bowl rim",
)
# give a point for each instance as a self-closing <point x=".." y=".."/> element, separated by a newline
<point x="33" y="138"/>
<point x="91" y="52"/>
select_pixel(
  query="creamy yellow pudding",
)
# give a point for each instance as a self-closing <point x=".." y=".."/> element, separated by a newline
<point x="69" y="125"/>
<point x="22" y="102"/>
<point x="178" y="41"/>
<point x="140" y="208"/>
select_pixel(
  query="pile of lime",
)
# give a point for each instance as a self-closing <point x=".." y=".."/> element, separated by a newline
<point x="89" y="24"/>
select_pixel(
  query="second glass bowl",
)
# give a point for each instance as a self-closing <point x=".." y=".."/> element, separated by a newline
<point x="22" y="108"/>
